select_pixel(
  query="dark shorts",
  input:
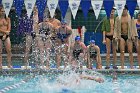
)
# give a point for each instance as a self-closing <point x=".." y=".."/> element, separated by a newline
<point x="76" y="53"/>
<point x="93" y="55"/>
<point x="109" y="37"/>
<point x="5" y="38"/>
<point x="125" y="37"/>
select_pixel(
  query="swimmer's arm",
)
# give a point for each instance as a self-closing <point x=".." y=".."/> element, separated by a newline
<point x="98" y="50"/>
<point x="71" y="51"/>
<point x="97" y="79"/>
<point x="87" y="52"/>
<point x="9" y="25"/>
<point x="84" y="48"/>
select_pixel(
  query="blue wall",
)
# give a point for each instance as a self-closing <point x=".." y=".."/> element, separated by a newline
<point x="98" y="40"/>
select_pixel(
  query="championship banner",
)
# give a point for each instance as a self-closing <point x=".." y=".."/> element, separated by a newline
<point x="74" y="5"/>
<point x="131" y="4"/>
<point x="18" y="6"/>
<point x="85" y="5"/>
<point x="97" y="5"/>
<point x="29" y="4"/>
<point x="119" y="4"/>
<point x="63" y="4"/>
<point x="108" y="5"/>
<point x="52" y="4"/>
<point x="7" y="6"/>
<point x="41" y="4"/>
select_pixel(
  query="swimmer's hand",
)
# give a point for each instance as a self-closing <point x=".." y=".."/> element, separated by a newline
<point x="4" y="37"/>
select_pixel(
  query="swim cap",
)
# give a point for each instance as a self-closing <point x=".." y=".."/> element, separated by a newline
<point x="63" y="22"/>
<point x="77" y="38"/>
<point x="92" y="41"/>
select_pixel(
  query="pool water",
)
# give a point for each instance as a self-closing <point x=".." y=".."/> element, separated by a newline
<point x="125" y="83"/>
<point x="8" y="79"/>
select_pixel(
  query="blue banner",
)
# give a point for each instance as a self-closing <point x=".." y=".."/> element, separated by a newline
<point x="85" y="5"/>
<point x="41" y="4"/>
<point x="0" y="1"/>
<point x="108" y="5"/>
<point x="131" y="4"/>
<point x="63" y="4"/>
<point x="18" y="6"/>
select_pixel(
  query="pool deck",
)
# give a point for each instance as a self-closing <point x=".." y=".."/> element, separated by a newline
<point x="30" y="70"/>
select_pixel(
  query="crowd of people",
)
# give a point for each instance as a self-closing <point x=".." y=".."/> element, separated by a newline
<point x="53" y="35"/>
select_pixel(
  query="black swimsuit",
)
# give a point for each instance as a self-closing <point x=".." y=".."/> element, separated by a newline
<point x="125" y="37"/>
<point x="92" y="53"/>
<point x="5" y="38"/>
<point x="62" y="36"/>
<point x="77" y="52"/>
<point x="44" y="29"/>
<point x="109" y="37"/>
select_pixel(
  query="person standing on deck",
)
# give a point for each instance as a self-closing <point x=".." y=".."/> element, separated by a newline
<point x="125" y="31"/>
<point x="5" y="28"/>
<point x="108" y="32"/>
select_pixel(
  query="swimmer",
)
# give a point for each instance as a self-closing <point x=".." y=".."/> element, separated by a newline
<point x="93" y="52"/>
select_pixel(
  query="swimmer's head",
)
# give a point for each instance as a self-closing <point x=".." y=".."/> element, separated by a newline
<point x="92" y="41"/>
<point x="77" y="38"/>
<point x="63" y="23"/>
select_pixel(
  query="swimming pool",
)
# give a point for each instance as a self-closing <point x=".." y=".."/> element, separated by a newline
<point x="47" y="83"/>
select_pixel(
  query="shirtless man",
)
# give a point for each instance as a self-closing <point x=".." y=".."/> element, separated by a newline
<point x="5" y="28"/>
<point x="125" y="31"/>
<point x="63" y="34"/>
<point x="108" y="32"/>
<point x="77" y="51"/>
<point x="93" y="52"/>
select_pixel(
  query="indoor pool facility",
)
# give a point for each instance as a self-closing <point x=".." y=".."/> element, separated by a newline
<point x="69" y="46"/>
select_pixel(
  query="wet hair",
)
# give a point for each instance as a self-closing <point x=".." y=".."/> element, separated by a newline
<point x="125" y="7"/>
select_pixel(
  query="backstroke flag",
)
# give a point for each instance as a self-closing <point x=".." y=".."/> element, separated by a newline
<point x="119" y="4"/>
<point x="52" y="5"/>
<point x="63" y="4"/>
<point x="18" y="6"/>
<point x="7" y="6"/>
<point x="85" y="5"/>
<point x="29" y="4"/>
<point x="74" y="5"/>
<point x="97" y="5"/>
<point x="108" y="5"/>
<point x="131" y="4"/>
<point x="41" y="4"/>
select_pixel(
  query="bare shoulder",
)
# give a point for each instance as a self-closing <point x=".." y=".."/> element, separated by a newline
<point x="88" y="46"/>
<point x="56" y="20"/>
<point x="97" y="47"/>
<point x="8" y="19"/>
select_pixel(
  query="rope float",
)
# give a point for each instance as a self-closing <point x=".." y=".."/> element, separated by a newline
<point x="4" y="90"/>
